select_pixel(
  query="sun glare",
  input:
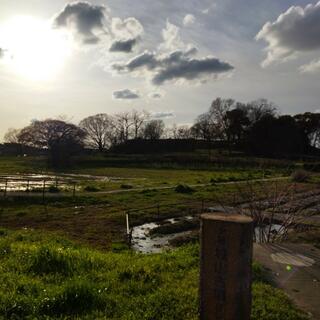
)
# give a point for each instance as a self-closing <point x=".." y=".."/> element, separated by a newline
<point x="33" y="49"/>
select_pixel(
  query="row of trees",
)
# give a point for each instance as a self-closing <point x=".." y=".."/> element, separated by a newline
<point x="255" y="126"/>
<point x="258" y="127"/>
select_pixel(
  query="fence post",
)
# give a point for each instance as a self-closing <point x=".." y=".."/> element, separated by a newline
<point x="28" y="185"/>
<point x="129" y="231"/>
<point x="74" y="190"/>
<point x="127" y="223"/>
<point x="225" y="270"/>
<point x="5" y="188"/>
<point x="43" y="190"/>
<point x="158" y="210"/>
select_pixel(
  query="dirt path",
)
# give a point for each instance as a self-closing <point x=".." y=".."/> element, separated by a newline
<point x="195" y="185"/>
<point x="296" y="269"/>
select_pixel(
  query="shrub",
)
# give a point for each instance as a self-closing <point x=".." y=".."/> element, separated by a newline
<point x="300" y="176"/>
<point x="91" y="189"/>
<point x="183" y="188"/>
<point x="260" y="274"/>
<point x="53" y="189"/>
<point x="3" y="232"/>
<point x="126" y="186"/>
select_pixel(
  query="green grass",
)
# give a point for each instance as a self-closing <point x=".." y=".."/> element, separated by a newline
<point x="46" y="277"/>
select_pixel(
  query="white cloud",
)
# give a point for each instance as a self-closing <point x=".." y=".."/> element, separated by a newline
<point x="295" y="31"/>
<point x="312" y="67"/>
<point x="171" y="38"/>
<point x="189" y="20"/>
<point x="129" y="28"/>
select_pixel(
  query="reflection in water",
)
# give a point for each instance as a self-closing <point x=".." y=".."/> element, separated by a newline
<point x="143" y="242"/>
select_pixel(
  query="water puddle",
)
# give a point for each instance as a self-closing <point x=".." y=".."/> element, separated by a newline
<point x="24" y="182"/>
<point x="144" y="242"/>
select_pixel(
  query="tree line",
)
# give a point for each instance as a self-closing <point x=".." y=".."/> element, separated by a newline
<point x="255" y="127"/>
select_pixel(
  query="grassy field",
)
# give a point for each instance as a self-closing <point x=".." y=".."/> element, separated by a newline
<point x="64" y="257"/>
<point x="49" y="277"/>
<point x="98" y="217"/>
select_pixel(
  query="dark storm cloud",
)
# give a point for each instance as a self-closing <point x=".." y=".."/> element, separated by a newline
<point x="126" y="94"/>
<point x="87" y="20"/>
<point x="174" y="66"/>
<point x="123" y="45"/>
<point x="296" y="30"/>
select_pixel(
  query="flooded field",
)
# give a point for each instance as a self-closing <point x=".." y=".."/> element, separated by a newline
<point x="30" y="182"/>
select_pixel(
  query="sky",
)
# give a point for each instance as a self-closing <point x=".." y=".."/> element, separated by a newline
<point x="172" y="58"/>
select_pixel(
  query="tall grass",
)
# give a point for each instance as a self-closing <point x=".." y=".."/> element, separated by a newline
<point x="46" y="277"/>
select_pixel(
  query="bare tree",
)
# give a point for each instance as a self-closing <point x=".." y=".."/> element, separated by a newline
<point x="60" y="138"/>
<point x="213" y="124"/>
<point x="274" y="207"/>
<point x="12" y="136"/>
<point x="99" y="130"/>
<point x="154" y="129"/>
<point x="204" y="128"/>
<point x="259" y="108"/>
<point x="138" y="120"/>
<point x="217" y="114"/>
<point x="124" y="125"/>
<point x="180" y="132"/>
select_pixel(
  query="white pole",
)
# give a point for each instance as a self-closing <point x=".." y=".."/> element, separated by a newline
<point x="127" y="220"/>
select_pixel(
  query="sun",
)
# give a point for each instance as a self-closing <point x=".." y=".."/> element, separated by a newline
<point x="33" y="49"/>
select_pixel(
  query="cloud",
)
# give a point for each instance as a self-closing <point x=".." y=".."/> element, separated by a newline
<point x="176" y="66"/>
<point x="312" y="67"/>
<point x="296" y="30"/>
<point x="144" y="61"/>
<point x="84" y="19"/>
<point x="123" y="45"/>
<point x="208" y="9"/>
<point x="126" y="33"/>
<point x="189" y="20"/>
<point x="126" y="94"/>
<point x="163" y="115"/>
<point x="90" y="23"/>
<point x="155" y="95"/>
<point x="129" y="28"/>
<point x="171" y="38"/>
<point x="192" y="69"/>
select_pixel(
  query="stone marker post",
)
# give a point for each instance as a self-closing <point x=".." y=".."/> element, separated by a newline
<point x="225" y="271"/>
